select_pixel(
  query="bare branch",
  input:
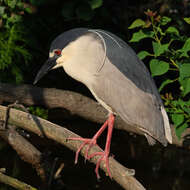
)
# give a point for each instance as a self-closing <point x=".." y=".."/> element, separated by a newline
<point x="60" y="134"/>
<point x="15" y="183"/>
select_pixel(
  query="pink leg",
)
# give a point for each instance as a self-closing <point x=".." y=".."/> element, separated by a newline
<point x="105" y="155"/>
<point x="91" y="142"/>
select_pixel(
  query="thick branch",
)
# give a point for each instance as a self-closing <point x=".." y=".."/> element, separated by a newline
<point x="75" y="103"/>
<point x="53" y="98"/>
<point x="60" y="134"/>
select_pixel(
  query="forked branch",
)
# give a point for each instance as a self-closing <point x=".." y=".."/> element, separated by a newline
<point x="46" y="129"/>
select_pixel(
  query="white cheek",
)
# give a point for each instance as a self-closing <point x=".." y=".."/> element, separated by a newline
<point x="60" y="60"/>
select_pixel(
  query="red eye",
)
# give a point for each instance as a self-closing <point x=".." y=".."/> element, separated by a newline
<point x="57" y="52"/>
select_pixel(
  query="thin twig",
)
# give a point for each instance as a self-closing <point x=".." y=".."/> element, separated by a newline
<point x="15" y="183"/>
<point x="52" y="173"/>
<point x="59" y="170"/>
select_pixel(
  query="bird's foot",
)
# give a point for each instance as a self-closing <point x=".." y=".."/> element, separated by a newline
<point x="86" y="141"/>
<point x="103" y="156"/>
<point x="91" y="142"/>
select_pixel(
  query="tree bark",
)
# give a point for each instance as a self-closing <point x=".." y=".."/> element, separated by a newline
<point x="44" y="128"/>
<point x="15" y="183"/>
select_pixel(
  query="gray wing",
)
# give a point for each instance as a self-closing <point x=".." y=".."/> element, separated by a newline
<point x="125" y="85"/>
<point x="125" y="59"/>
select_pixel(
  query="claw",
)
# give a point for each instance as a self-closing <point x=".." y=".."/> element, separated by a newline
<point x="105" y="157"/>
<point x="85" y="142"/>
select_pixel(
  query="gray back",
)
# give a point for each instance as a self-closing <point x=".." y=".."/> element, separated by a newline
<point x="126" y="60"/>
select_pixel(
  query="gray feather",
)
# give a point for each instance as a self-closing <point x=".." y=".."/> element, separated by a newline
<point x="125" y="85"/>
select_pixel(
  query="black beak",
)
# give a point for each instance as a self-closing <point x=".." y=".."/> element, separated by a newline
<point x="48" y="65"/>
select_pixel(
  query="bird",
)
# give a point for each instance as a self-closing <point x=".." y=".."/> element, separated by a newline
<point x="117" y="79"/>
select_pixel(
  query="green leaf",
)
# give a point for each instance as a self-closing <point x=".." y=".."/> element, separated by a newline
<point x="95" y="4"/>
<point x="164" y="83"/>
<point x="187" y="20"/>
<point x="143" y="54"/>
<point x="15" y="19"/>
<point x="185" y="48"/>
<point x="159" y="48"/>
<point x="41" y="112"/>
<point x="2" y="10"/>
<point x="28" y="10"/>
<point x="137" y="23"/>
<point x="165" y="20"/>
<point x="12" y="3"/>
<point x="160" y="31"/>
<point x="177" y="119"/>
<point x="185" y="86"/>
<point x="20" y="5"/>
<point x="84" y="12"/>
<point x="180" y="129"/>
<point x="186" y="109"/>
<point x="188" y="103"/>
<point x="177" y="103"/>
<point x="181" y="102"/>
<point x="172" y="30"/>
<point x="137" y="36"/>
<point x="158" y="67"/>
<point x="5" y="16"/>
<point x="184" y="71"/>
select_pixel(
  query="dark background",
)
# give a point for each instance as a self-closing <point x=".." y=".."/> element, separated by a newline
<point x="156" y="167"/>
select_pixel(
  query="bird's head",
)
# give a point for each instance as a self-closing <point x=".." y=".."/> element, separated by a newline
<point x="78" y="51"/>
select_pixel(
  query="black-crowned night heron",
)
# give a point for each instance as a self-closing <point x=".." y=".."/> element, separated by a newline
<point x="117" y="78"/>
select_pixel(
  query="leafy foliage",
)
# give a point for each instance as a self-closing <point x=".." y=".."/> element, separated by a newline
<point x="170" y="60"/>
<point x="38" y="111"/>
<point x="13" y="50"/>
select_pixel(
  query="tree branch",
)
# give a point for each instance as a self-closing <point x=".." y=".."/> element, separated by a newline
<point x="15" y="183"/>
<point x="44" y="128"/>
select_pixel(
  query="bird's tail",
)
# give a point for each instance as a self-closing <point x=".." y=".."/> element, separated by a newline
<point x="166" y="125"/>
